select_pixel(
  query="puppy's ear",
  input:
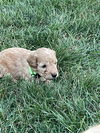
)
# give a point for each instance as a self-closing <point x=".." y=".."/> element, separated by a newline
<point x="32" y="60"/>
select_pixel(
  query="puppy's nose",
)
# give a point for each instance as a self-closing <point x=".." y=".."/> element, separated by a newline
<point x="54" y="75"/>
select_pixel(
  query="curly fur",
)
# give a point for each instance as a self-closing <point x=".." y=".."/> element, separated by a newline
<point x="16" y="62"/>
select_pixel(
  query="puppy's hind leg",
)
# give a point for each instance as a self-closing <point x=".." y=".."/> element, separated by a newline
<point x="1" y="72"/>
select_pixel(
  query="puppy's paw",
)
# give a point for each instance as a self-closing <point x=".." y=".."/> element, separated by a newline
<point x="48" y="81"/>
<point x="1" y="75"/>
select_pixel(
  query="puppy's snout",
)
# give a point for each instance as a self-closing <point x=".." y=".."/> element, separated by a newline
<point x="54" y="75"/>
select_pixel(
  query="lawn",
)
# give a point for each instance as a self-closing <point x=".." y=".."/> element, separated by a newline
<point x="71" y="103"/>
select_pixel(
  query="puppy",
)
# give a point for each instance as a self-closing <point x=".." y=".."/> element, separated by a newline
<point x="94" y="129"/>
<point x="18" y="61"/>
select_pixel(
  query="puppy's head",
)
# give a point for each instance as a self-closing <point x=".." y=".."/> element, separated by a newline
<point x="44" y="61"/>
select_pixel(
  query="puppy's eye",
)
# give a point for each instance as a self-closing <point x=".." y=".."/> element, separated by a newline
<point x="44" y="66"/>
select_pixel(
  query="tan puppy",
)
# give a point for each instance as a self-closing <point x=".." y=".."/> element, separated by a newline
<point x="94" y="129"/>
<point x="16" y="62"/>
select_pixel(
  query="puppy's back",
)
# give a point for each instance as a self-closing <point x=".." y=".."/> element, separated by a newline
<point x="12" y="56"/>
<point x="14" y="51"/>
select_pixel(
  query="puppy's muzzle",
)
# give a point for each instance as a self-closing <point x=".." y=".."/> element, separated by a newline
<point x="54" y="75"/>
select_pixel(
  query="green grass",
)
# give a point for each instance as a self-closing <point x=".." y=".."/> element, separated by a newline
<point x="72" y="102"/>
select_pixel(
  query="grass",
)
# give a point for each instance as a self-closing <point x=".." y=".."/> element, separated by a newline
<point x="72" y="102"/>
